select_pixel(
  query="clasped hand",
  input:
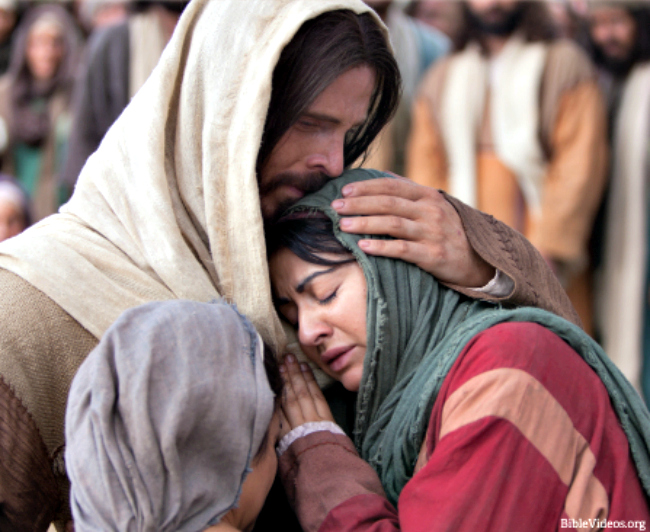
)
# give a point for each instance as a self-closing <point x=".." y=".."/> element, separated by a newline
<point x="302" y="399"/>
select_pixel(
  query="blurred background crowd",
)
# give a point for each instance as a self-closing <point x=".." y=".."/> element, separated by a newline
<point x="535" y="112"/>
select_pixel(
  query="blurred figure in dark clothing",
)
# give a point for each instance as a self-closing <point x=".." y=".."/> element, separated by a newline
<point x="34" y="103"/>
<point x="95" y="14"/>
<point x="620" y="46"/>
<point x="416" y="47"/>
<point x="118" y="61"/>
<point x="619" y="41"/>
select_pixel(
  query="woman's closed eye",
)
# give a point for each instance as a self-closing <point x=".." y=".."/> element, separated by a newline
<point x="328" y="299"/>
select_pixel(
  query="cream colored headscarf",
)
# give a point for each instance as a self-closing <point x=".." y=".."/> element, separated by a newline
<point x="168" y="206"/>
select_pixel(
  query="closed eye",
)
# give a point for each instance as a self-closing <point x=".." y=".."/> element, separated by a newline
<point x="308" y="124"/>
<point x="329" y="298"/>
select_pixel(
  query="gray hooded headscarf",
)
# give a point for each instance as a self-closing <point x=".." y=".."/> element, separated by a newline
<point x="164" y="417"/>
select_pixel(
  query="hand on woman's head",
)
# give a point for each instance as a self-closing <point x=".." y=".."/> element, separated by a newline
<point x="426" y="229"/>
<point x="302" y="399"/>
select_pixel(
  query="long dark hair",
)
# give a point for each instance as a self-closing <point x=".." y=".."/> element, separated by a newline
<point x="324" y="48"/>
<point x="534" y="22"/>
<point x="308" y="236"/>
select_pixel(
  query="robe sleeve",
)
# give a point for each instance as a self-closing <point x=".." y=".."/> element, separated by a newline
<point x="511" y="445"/>
<point x="510" y="252"/>
<point x="477" y="477"/>
<point x="322" y="470"/>
<point x="576" y="175"/>
<point x="28" y="490"/>
<point x="426" y="161"/>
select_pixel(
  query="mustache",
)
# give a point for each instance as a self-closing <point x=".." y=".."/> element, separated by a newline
<point x="306" y="183"/>
<point x="496" y="20"/>
<point x="611" y="44"/>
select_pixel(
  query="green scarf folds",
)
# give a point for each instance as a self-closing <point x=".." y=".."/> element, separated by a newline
<point x="416" y="330"/>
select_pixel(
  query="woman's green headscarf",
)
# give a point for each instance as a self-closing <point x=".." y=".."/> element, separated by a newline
<point x="416" y="330"/>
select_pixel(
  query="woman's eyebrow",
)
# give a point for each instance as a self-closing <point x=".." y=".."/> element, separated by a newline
<point x="301" y="287"/>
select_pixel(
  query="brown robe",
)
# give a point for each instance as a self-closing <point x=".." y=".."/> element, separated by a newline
<point x="572" y="130"/>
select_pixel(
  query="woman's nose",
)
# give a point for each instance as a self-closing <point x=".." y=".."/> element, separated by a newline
<point x="312" y="330"/>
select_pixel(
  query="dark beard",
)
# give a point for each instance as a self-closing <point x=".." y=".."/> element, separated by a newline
<point x="501" y="28"/>
<point x="307" y="183"/>
<point x="618" y="68"/>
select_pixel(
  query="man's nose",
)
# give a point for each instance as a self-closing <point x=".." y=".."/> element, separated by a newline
<point x="329" y="160"/>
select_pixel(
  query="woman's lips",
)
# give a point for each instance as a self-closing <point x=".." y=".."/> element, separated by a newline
<point x="337" y="357"/>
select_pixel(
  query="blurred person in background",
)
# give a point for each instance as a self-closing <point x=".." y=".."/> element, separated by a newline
<point x="119" y="59"/>
<point x="96" y="14"/>
<point x="34" y="103"/>
<point x="14" y="208"/>
<point x="568" y="21"/>
<point x="620" y="47"/>
<point x="513" y="123"/>
<point x="8" y="19"/>
<point x="443" y="15"/>
<point x="416" y="47"/>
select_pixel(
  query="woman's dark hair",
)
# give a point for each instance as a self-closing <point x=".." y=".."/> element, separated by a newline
<point x="324" y="48"/>
<point x="533" y="20"/>
<point x="308" y="236"/>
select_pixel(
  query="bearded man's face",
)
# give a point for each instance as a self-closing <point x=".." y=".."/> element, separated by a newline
<point x="613" y="32"/>
<point x="495" y="17"/>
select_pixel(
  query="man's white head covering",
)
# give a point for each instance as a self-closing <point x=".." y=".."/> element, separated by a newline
<point x="168" y="206"/>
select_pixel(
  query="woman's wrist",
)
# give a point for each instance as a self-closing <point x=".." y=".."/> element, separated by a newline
<point x="304" y="430"/>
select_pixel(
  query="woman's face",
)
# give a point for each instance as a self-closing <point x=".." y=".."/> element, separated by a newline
<point x="327" y="306"/>
<point x="44" y="52"/>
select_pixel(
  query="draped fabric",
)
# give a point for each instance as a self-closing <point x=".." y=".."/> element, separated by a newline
<point x="168" y="206"/>
<point x="514" y="79"/>
<point x="621" y="295"/>
<point x="164" y="417"/>
<point x="416" y="330"/>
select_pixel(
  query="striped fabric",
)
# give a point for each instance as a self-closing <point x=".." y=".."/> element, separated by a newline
<point x="521" y="437"/>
